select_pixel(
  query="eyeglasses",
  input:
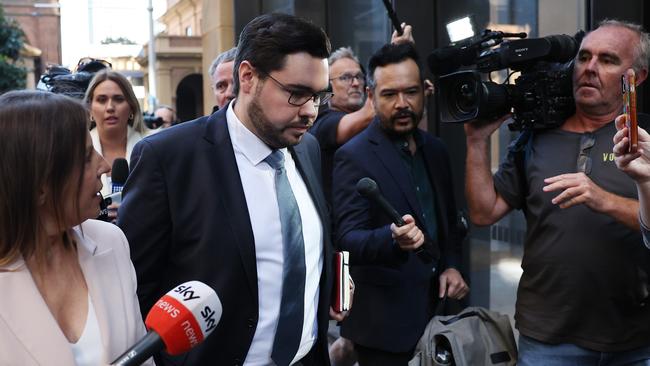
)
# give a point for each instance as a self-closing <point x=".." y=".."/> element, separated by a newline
<point x="299" y="98"/>
<point x="587" y="141"/>
<point x="347" y="78"/>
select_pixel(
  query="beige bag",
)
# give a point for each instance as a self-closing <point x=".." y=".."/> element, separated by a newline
<point x="474" y="337"/>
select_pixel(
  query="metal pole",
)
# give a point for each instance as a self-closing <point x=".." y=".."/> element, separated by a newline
<point x="91" y="30"/>
<point x="152" y="62"/>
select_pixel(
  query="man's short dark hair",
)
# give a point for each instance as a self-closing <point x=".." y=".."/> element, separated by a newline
<point x="391" y="54"/>
<point x="266" y="41"/>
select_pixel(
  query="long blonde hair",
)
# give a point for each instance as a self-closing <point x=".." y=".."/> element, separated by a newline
<point x="138" y="121"/>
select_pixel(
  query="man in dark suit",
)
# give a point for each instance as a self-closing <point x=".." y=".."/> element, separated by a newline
<point x="395" y="288"/>
<point x="234" y="200"/>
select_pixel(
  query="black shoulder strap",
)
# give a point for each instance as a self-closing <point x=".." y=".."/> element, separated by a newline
<point x="521" y="149"/>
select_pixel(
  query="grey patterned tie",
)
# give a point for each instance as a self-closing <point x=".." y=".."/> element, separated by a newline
<point x="289" y="331"/>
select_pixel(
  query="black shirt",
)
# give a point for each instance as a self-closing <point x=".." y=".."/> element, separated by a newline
<point x="324" y="129"/>
<point x="581" y="268"/>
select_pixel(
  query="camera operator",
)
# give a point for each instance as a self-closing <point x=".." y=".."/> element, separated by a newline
<point x="579" y="299"/>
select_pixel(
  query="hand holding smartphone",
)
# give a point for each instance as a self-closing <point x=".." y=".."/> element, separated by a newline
<point x="629" y="109"/>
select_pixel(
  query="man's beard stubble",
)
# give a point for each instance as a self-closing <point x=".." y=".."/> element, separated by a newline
<point x="266" y="131"/>
<point x="388" y="125"/>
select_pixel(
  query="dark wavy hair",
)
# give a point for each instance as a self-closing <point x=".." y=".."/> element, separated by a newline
<point x="391" y="54"/>
<point x="43" y="146"/>
<point x="266" y="41"/>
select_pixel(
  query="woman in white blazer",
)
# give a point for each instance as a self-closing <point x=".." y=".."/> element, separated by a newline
<point x="117" y="121"/>
<point x="67" y="285"/>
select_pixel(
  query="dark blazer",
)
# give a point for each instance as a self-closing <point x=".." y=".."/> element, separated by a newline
<point x="185" y="215"/>
<point x="395" y="291"/>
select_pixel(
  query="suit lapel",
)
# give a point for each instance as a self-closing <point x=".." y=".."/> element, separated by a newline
<point x="24" y="311"/>
<point x="395" y="167"/>
<point x="231" y="192"/>
<point x="104" y="286"/>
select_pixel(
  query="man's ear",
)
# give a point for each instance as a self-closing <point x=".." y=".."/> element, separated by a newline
<point x="369" y="92"/>
<point x="247" y="77"/>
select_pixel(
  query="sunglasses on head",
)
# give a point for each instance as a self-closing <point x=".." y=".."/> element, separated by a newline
<point x="92" y="64"/>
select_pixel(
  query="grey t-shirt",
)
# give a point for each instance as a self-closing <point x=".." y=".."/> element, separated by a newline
<point x="580" y="282"/>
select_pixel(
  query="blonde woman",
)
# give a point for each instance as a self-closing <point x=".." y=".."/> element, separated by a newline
<point x="116" y="116"/>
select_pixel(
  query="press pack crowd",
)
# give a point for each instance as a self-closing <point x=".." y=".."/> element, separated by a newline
<point x="253" y="200"/>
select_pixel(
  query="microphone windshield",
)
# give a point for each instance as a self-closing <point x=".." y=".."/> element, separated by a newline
<point x="367" y="187"/>
<point x="185" y="316"/>
<point x="119" y="171"/>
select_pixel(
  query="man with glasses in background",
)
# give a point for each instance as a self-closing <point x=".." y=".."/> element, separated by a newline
<point x="583" y="295"/>
<point x="348" y="112"/>
<point x="234" y="200"/>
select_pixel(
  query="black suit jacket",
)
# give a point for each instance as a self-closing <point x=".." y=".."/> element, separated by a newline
<point x="395" y="291"/>
<point x="185" y="215"/>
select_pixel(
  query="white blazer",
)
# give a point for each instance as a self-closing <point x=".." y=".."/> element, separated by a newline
<point x="29" y="334"/>
<point x="132" y="138"/>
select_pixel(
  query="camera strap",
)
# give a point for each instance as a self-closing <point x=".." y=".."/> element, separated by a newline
<point x="521" y="149"/>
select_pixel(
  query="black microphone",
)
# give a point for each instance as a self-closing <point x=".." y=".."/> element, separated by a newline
<point x="368" y="188"/>
<point x="119" y="174"/>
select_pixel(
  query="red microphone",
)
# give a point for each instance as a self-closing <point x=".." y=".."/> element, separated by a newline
<point x="180" y="320"/>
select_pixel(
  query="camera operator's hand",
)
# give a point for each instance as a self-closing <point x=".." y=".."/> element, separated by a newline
<point x="636" y="165"/>
<point x="408" y="236"/>
<point x="480" y="130"/>
<point x="407" y="35"/>
<point x="578" y="188"/>
<point x="428" y="88"/>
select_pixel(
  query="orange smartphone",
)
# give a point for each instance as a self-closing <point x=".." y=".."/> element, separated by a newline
<point x="629" y="109"/>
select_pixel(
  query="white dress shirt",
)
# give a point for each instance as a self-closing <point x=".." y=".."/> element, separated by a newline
<point x="258" y="180"/>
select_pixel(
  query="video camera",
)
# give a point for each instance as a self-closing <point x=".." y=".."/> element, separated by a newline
<point x="61" y="80"/>
<point x="152" y="121"/>
<point x="540" y="98"/>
